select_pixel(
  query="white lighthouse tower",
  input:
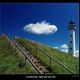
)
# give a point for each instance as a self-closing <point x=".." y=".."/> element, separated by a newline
<point x="71" y="46"/>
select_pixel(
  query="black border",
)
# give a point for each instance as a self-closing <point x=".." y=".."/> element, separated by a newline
<point x="38" y="1"/>
<point x="27" y="76"/>
<point x="38" y="76"/>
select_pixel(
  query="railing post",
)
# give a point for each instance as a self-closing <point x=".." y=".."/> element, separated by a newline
<point x="28" y="45"/>
<point x="36" y="52"/>
<point x="25" y="60"/>
<point x="50" y="64"/>
<point x="15" y="48"/>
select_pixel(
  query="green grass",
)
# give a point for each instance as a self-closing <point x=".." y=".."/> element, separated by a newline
<point x="10" y="60"/>
<point x="68" y="60"/>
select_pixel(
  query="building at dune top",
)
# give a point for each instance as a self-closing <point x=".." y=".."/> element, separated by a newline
<point x="71" y="45"/>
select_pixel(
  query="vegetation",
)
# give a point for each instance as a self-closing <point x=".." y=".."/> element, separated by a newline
<point x="10" y="60"/>
<point x="66" y="59"/>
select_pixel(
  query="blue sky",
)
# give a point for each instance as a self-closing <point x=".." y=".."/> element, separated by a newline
<point x="14" y="17"/>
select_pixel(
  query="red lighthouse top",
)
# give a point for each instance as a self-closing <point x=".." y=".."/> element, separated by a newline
<point x="71" y="25"/>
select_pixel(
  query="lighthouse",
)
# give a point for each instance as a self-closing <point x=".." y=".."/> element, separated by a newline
<point x="71" y="46"/>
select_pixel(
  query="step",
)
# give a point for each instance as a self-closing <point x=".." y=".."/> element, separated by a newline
<point x="27" y="52"/>
<point x="20" y="45"/>
<point x="39" y="65"/>
<point x="35" y="61"/>
<point x="46" y="71"/>
<point x="23" y="48"/>
<point x="36" y="64"/>
<point x="30" y="56"/>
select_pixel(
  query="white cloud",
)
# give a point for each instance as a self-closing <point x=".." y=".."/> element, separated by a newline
<point x="55" y="47"/>
<point x="77" y="53"/>
<point x="64" y="48"/>
<point x="40" y="28"/>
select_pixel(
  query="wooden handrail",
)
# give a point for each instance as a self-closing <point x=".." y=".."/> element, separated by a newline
<point x="52" y="58"/>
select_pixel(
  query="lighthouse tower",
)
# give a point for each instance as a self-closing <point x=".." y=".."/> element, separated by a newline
<point x="71" y="45"/>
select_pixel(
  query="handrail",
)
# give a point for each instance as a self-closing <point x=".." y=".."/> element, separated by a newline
<point x="52" y="58"/>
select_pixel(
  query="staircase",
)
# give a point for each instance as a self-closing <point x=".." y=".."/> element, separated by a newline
<point x="33" y="60"/>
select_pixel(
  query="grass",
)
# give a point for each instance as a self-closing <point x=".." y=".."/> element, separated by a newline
<point x="10" y="60"/>
<point x="68" y="60"/>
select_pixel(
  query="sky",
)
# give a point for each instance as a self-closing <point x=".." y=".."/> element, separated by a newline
<point x="46" y="23"/>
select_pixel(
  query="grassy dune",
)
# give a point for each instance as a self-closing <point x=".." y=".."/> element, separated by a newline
<point x="68" y="60"/>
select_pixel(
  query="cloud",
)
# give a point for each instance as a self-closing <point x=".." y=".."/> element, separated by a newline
<point x="40" y="28"/>
<point x="55" y="47"/>
<point x="64" y="48"/>
<point x="77" y="53"/>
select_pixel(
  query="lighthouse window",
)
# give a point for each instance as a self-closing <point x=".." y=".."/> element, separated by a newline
<point x="71" y="41"/>
<point x="70" y="48"/>
<point x="71" y="35"/>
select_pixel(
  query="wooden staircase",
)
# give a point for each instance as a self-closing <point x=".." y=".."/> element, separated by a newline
<point x="33" y="60"/>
